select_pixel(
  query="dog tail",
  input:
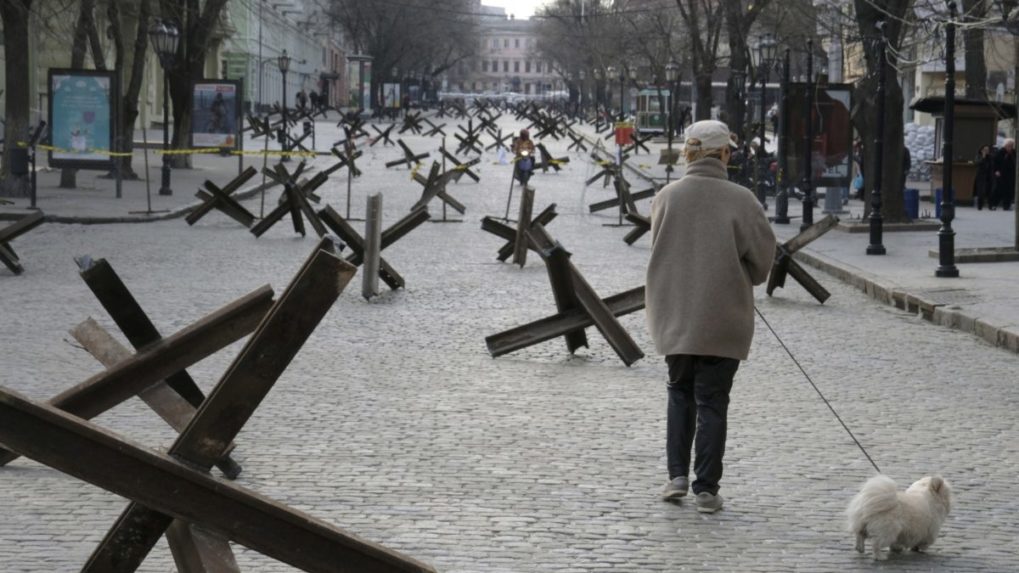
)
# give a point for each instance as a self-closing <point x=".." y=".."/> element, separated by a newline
<point x="877" y="496"/>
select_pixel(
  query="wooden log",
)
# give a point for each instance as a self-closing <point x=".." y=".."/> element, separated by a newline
<point x="268" y="352"/>
<point x="811" y="233"/>
<point x="809" y="283"/>
<point x="642" y="225"/>
<point x="372" y="246"/>
<point x="560" y="276"/>
<point x="559" y="324"/>
<point x="220" y="199"/>
<point x="87" y="452"/>
<point x="520" y="243"/>
<point x="21" y="226"/>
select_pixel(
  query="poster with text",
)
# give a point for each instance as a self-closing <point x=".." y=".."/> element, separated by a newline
<point x="390" y="96"/>
<point x="215" y="113"/>
<point x="366" y="86"/>
<point x="832" y="149"/>
<point x="81" y="118"/>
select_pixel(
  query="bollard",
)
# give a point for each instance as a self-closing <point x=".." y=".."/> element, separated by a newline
<point x="833" y="201"/>
<point x="372" y="246"/>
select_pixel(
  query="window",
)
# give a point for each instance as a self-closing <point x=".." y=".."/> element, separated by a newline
<point x="484" y="66"/>
<point x="505" y="42"/>
<point x="537" y="67"/>
<point x="527" y="67"/>
<point x="505" y="66"/>
<point x="495" y="66"/>
<point x="516" y="42"/>
<point x="516" y="66"/>
<point x="495" y="43"/>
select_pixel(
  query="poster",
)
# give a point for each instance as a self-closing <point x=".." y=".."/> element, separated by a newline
<point x="366" y="86"/>
<point x="215" y="113"/>
<point x="832" y="149"/>
<point x="81" y="111"/>
<point x="391" y="96"/>
<point x="354" y="84"/>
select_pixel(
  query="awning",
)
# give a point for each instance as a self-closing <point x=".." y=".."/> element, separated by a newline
<point x="936" y="105"/>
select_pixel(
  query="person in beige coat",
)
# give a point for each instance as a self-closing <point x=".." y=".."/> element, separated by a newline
<point x="710" y="244"/>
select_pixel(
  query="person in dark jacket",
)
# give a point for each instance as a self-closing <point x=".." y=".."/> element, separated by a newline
<point x="984" y="181"/>
<point x="1004" y="176"/>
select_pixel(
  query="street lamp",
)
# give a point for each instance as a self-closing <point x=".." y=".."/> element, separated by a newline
<point x="1010" y="18"/>
<point x="165" y="37"/>
<point x="583" y="88"/>
<point x="782" y="194"/>
<point x="671" y="74"/>
<point x="610" y="74"/>
<point x="946" y="236"/>
<point x="284" y="64"/>
<point x="808" y="148"/>
<point x="633" y="78"/>
<point x="765" y="58"/>
<point x="876" y="220"/>
<point x="599" y="93"/>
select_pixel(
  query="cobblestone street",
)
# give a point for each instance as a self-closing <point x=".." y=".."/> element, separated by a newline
<point x="394" y="423"/>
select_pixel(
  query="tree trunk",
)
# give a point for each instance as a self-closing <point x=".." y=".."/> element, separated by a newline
<point x="14" y="14"/>
<point x="68" y="177"/>
<point x="135" y="60"/>
<point x="865" y="108"/>
<point x="973" y="39"/>
<point x="704" y="98"/>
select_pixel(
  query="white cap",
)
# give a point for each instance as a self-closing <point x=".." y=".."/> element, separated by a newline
<point x="708" y="134"/>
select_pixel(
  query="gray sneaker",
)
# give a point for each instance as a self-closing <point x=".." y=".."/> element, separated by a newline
<point x="708" y="503"/>
<point x="676" y="488"/>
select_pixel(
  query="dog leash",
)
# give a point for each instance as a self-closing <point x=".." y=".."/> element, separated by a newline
<point x="816" y="389"/>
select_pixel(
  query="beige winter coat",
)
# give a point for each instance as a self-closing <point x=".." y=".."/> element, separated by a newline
<point x="710" y="244"/>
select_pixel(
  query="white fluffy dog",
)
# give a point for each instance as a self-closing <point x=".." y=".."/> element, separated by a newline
<point x="899" y="520"/>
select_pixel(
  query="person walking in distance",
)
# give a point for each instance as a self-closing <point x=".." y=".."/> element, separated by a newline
<point x="710" y="244"/>
<point x="1004" y="176"/>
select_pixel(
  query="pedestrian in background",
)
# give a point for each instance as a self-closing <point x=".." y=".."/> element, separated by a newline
<point x="1004" y="176"/>
<point x="984" y="180"/>
<point x="710" y="244"/>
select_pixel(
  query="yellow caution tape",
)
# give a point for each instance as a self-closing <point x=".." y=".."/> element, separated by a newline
<point x="197" y="151"/>
<point x="414" y="171"/>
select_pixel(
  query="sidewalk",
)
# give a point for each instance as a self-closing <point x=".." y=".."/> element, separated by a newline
<point x="983" y="301"/>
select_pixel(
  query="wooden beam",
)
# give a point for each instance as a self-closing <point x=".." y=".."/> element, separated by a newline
<point x="520" y="242"/>
<point x="87" y="452"/>
<point x="811" y="233"/>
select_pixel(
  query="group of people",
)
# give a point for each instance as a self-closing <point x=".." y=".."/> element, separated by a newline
<point x="994" y="184"/>
<point x="306" y="99"/>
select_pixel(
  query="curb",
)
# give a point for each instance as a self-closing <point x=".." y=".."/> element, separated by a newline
<point x="1004" y="336"/>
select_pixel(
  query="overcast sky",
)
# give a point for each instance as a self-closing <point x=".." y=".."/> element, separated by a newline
<point x="519" y="8"/>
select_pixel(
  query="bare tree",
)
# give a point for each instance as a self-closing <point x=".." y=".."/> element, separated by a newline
<point x="973" y="42"/>
<point x="134" y="57"/>
<point x="740" y="16"/>
<point x="704" y="21"/>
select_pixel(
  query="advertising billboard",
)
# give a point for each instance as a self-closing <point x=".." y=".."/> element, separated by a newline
<point x="832" y="148"/>
<point x="81" y="111"/>
<point x="215" y="113"/>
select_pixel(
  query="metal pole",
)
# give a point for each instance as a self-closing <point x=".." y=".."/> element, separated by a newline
<point x="876" y="222"/>
<point x="672" y="101"/>
<point x="808" y="151"/>
<point x="782" y="198"/>
<point x="286" y="127"/>
<point x="261" y="3"/>
<point x="758" y="168"/>
<point x="946" y="236"/>
<point x="164" y="188"/>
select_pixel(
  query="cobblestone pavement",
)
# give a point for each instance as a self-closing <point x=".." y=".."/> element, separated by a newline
<point x="393" y="421"/>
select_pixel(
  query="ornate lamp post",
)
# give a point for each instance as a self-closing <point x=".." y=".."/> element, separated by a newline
<point x="1010" y="18"/>
<point x="782" y="197"/>
<point x="583" y="88"/>
<point x="165" y="37"/>
<point x="671" y="74"/>
<point x="610" y="74"/>
<point x="876" y="220"/>
<point x="765" y="58"/>
<point x="284" y="64"/>
<point x="808" y="148"/>
<point x="599" y="94"/>
<point x="946" y="236"/>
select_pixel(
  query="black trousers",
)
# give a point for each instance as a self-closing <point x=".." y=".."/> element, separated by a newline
<point x="698" y="407"/>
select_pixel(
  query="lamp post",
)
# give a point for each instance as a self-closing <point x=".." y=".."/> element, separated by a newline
<point x="876" y="221"/>
<point x="946" y="236"/>
<point x="782" y="197"/>
<point x="1010" y="18"/>
<point x="765" y="58"/>
<point x="808" y="151"/>
<point x="671" y="73"/>
<point x="165" y="37"/>
<point x="610" y="74"/>
<point x="599" y="90"/>
<point x="283" y="61"/>
<point x="583" y="89"/>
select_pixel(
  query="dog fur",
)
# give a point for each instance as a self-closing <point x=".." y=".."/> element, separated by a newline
<point x="899" y="520"/>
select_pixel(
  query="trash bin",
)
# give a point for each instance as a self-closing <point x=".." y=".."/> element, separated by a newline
<point x="937" y="203"/>
<point x="911" y="198"/>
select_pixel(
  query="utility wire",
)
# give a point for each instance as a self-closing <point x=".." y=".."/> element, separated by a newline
<point x="816" y="389"/>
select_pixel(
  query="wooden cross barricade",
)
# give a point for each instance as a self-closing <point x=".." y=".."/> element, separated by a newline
<point x="172" y="493"/>
<point x="294" y="200"/>
<point x="785" y="265"/>
<point x="516" y="239"/>
<point x="470" y="141"/>
<point x="624" y="199"/>
<point x="359" y="251"/>
<point x="411" y="122"/>
<point x="157" y="373"/>
<point x="579" y="307"/>
<point x="434" y="129"/>
<point x="641" y="226"/>
<point x="382" y="135"/>
<point x="435" y="186"/>
<point x="578" y="141"/>
<point x="637" y="143"/>
<point x="9" y="233"/>
<point x="215" y="198"/>
<point x="409" y="157"/>
<point x="548" y="161"/>
<point x="464" y="168"/>
<point x="500" y="141"/>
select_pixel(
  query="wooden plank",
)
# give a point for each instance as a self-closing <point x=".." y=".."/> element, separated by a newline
<point x="222" y="198"/>
<point x="10" y="259"/>
<point x="196" y="550"/>
<point x="544" y="218"/>
<point x="520" y="242"/>
<point x="268" y="352"/>
<point x="21" y="226"/>
<point x="804" y="278"/>
<point x="779" y="269"/>
<point x="560" y="277"/>
<point x="372" y="246"/>
<point x="559" y="324"/>
<point x="811" y="234"/>
<point x="408" y="223"/>
<point x="87" y="452"/>
<point x="345" y="231"/>
<point x="642" y="225"/>
<point x="231" y="209"/>
<point x="162" y="359"/>
<point x="130" y="318"/>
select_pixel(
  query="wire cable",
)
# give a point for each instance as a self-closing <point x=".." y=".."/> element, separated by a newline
<point x="816" y="389"/>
